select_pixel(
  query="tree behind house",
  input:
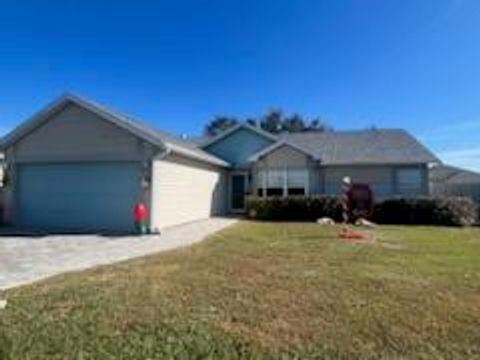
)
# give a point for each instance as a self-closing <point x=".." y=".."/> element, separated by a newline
<point x="219" y="124"/>
<point x="274" y="121"/>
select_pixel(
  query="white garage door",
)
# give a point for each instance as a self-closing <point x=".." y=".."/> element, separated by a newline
<point x="77" y="196"/>
<point x="185" y="191"/>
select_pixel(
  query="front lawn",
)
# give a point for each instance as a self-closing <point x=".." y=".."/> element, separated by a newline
<point x="261" y="290"/>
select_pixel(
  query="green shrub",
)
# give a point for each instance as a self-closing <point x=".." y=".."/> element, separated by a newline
<point x="449" y="211"/>
<point x="294" y="208"/>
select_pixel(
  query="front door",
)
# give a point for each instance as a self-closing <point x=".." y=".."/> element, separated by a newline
<point x="238" y="189"/>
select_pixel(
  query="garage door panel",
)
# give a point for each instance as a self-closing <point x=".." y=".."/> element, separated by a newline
<point x="91" y="196"/>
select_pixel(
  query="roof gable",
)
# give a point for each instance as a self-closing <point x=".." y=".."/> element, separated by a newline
<point x="238" y="145"/>
<point x="235" y="128"/>
<point x="44" y="115"/>
<point x="279" y="144"/>
<point x="155" y="137"/>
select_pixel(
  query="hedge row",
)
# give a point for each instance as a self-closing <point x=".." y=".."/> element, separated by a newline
<point x="294" y="208"/>
<point x="450" y="211"/>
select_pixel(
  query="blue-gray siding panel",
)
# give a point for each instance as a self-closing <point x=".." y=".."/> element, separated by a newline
<point x="237" y="147"/>
<point x="77" y="197"/>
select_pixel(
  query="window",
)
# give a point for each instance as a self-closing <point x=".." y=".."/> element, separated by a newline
<point x="297" y="182"/>
<point x="282" y="182"/>
<point x="274" y="191"/>
<point x="292" y="191"/>
<point x="409" y="181"/>
<point x="275" y="178"/>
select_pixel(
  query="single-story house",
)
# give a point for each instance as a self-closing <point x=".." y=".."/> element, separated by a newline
<point x="77" y="165"/>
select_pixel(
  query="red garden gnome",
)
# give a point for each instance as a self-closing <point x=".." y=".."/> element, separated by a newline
<point x="140" y="215"/>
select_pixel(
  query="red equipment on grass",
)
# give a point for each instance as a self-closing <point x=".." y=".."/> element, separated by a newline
<point x="350" y="234"/>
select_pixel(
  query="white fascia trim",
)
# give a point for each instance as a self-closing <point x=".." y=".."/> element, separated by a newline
<point x="235" y="128"/>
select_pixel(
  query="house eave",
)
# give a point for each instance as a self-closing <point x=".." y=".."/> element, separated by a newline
<point x="192" y="155"/>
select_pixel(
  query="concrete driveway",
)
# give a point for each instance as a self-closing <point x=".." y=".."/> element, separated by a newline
<point x="27" y="259"/>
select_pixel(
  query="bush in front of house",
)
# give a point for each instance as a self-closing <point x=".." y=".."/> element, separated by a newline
<point x="448" y="211"/>
<point x="294" y="208"/>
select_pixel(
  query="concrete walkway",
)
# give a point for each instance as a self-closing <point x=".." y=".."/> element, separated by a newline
<point x="24" y="260"/>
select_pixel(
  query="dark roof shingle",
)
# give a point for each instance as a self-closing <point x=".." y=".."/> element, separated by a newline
<point x="375" y="146"/>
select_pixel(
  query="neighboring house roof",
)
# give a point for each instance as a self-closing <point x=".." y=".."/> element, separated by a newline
<point x="142" y="130"/>
<point x="374" y="146"/>
<point x="453" y="175"/>
<point x="242" y="125"/>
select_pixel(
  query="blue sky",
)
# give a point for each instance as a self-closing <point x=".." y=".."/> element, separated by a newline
<point x="398" y="63"/>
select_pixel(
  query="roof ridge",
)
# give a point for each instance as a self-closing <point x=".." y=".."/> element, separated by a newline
<point x="135" y="121"/>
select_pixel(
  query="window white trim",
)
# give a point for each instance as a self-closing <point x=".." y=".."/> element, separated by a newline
<point x="268" y="180"/>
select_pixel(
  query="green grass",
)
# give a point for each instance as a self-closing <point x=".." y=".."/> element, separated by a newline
<point x="263" y="290"/>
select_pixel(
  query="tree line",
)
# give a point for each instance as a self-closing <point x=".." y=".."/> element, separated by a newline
<point x="274" y="121"/>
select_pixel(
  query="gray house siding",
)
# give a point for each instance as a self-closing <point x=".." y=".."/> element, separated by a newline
<point x="384" y="179"/>
<point x="76" y="134"/>
<point x="287" y="158"/>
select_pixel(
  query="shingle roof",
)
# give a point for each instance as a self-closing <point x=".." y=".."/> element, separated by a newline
<point x="378" y="146"/>
<point x="453" y="175"/>
<point x="375" y="146"/>
<point x="139" y="128"/>
<point x="170" y="140"/>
